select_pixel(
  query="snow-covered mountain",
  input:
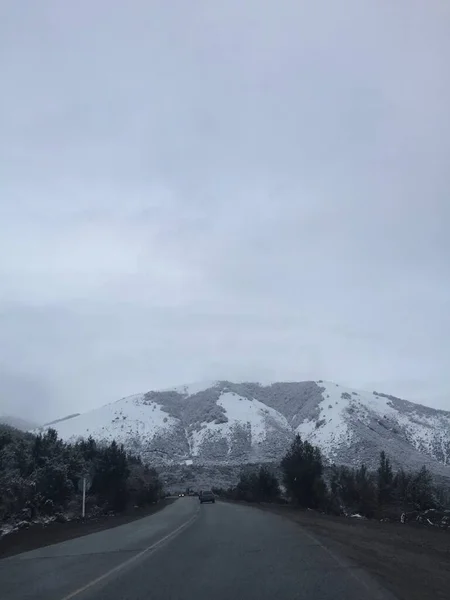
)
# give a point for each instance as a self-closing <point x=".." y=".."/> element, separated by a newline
<point x="225" y="423"/>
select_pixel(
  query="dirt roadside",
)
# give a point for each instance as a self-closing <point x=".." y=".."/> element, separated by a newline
<point x="38" y="536"/>
<point x="412" y="561"/>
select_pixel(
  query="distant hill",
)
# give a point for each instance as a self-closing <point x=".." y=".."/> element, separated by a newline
<point x="17" y="422"/>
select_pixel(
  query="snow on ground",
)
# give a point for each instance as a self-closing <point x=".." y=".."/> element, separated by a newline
<point x="239" y="411"/>
<point x="197" y="437"/>
<point x="334" y="419"/>
<point x="419" y="425"/>
<point x="330" y="429"/>
<point x="6" y="529"/>
<point x="119" y="420"/>
<point x="340" y="405"/>
<point x="242" y="410"/>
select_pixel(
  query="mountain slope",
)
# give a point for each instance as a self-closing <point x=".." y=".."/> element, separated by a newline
<point x="17" y="422"/>
<point x="62" y="419"/>
<point x="227" y="423"/>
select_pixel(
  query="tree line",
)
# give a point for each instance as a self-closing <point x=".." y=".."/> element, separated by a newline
<point x="41" y="475"/>
<point x="305" y="482"/>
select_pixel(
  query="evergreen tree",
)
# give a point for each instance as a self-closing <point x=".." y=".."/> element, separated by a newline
<point x="354" y="490"/>
<point x="111" y="476"/>
<point x="268" y="487"/>
<point x="247" y="487"/>
<point x="420" y="490"/>
<point x="41" y="474"/>
<point x="366" y="492"/>
<point x="385" y="480"/>
<point x="401" y="485"/>
<point x="143" y="484"/>
<point x="258" y="486"/>
<point x="302" y="473"/>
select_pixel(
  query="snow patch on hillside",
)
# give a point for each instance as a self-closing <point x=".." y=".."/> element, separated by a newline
<point x="224" y="422"/>
<point x="347" y="416"/>
<point x="198" y="437"/>
<point x="330" y="429"/>
<point x="119" y="420"/>
<point x="242" y="410"/>
<point x="419" y="426"/>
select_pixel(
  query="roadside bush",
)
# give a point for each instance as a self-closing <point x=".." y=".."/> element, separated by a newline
<point x="383" y="494"/>
<point x="144" y="486"/>
<point x="353" y="491"/>
<point x="258" y="486"/>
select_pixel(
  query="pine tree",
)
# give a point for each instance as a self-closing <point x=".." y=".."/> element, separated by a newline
<point x="302" y="473"/>
<point x="401" y="485"/>
<point x="420" y="490"/>
<point x="268" y="487"/>
<point x="111" y="476"/>
<point x="366" y="492"/>
<point x="247" y="487"/>
<point x="40" y="474"/>
<point x="353" y="491"/>
<point x="385" y="480"/>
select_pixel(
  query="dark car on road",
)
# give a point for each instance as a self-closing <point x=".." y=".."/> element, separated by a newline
<point x="207" y="497"/>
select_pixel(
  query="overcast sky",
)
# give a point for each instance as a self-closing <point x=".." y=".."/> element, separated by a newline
<point x="246" y="189"/>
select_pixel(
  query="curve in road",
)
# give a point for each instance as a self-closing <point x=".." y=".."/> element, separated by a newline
<point x="188" y="551"/>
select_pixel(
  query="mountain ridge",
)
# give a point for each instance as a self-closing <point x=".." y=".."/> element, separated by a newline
<point x="228" y="423"/>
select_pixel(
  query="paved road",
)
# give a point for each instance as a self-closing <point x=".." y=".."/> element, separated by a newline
<point x="188" y="551"/>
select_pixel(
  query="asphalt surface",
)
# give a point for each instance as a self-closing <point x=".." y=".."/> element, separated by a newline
<point x="189" y="551"/>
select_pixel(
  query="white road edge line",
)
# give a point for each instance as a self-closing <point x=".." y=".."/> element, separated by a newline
<point x="132" y="559"/>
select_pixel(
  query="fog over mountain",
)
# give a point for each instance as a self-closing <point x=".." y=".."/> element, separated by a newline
<point x="239" y="190"/>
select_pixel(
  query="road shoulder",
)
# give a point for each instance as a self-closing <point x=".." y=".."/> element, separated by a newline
<point x="39" y="536"/>
<point x="412" y="562"/>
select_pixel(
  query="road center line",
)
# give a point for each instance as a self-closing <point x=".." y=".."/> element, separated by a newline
<point x="147" y="550"/>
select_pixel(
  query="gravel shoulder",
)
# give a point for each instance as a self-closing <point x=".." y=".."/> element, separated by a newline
<point x="412" y="561"/>
<point x="39" y="536"/>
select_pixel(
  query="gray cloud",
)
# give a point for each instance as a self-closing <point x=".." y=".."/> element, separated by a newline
<point x="250" y="190"/>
